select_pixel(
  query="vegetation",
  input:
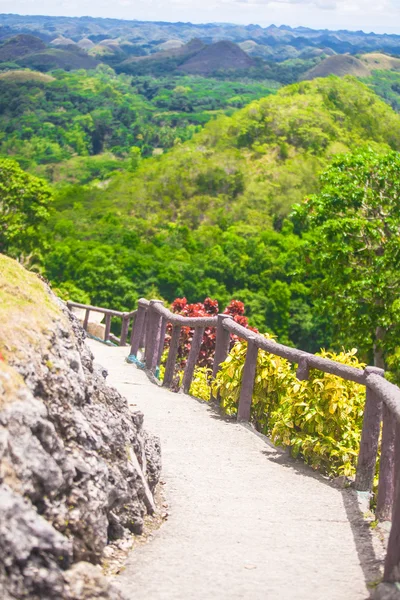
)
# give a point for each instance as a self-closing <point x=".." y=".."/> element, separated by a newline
<point x="209" y="217"/>
<point x="25" y="203"/>
<point x="47" y="122"/>
<point x="171" y="185"/>
<point x="354" y="248"/>
<point x="319" y="419"/>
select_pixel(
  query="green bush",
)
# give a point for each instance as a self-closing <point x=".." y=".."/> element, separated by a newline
<point x="319" y="419"/>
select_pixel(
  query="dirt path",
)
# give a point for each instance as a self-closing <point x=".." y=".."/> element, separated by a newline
<point x="245" y="522"/>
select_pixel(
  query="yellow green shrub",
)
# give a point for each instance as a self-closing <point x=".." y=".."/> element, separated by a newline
<point x="319" y="419"/>
<point x="200" y="387"/>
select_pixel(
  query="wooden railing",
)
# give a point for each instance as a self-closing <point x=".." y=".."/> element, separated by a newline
<point x="125" y="318"/>
<point x="382" y="408"/>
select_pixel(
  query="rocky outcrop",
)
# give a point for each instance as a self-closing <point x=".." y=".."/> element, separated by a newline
<point x="77" y="469"/>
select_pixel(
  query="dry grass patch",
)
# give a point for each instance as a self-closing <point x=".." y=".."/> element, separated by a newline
<point x="24" y="76"/>
<point x="26" y="309"/>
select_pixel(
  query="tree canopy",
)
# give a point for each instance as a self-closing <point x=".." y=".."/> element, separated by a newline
<point x="354" y="248"/>
<point x="24" y="208"/>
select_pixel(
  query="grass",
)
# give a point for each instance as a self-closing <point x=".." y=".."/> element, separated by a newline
<point x="27" y="312"/>
<point x="21" y="76"/>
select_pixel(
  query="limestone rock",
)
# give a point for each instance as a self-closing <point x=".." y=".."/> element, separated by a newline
<point x="77" y="469"/>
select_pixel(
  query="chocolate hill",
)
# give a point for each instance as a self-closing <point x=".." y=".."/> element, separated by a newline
<point x="221" y="55"/>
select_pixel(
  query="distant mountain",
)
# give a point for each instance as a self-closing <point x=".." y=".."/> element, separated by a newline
<point x="276" y="43"/>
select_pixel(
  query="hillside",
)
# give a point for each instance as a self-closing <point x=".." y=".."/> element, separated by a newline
<point x="73" y="477"/>
<point x="49" y="59"/>
<point x="381" y="62"/>
<point x="299" y="127"/>
<point x="83" y="125"/>
<point x="221" y="55"/>
<point x="345" y="64"/>
<point x="162" y="62"/>
<point x="19" y="46"/>
<point x="205" y="218"/>
<point x="25" y="76"/>
<point x="340" y="65"/>
<point x="31" y="52"/>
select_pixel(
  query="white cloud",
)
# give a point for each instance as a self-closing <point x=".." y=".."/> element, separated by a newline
<point x="335" y="5"/>
<point x="369" y="15"/>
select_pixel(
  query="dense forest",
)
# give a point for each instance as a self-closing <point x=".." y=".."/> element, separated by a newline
<point x="170" y="174"/>
<point x="81" y="126"/>
<point x="211" y="217"/>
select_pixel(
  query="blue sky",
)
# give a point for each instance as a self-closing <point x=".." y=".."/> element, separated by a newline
<point x="382" y="16"/>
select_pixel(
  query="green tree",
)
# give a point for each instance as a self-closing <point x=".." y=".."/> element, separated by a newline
<point x="354" y="249"/>
<point x="24" y="207"/>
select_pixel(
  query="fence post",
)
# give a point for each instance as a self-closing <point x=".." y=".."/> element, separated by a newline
<point x="303" y="370"/>
<point x="138" y="325"/>
<point x="124" y="330"/>
<point x="392" y="561"/>
<point x="163" y="329"/>
<point x="369" y="437"/>
<point x="158" y="340"/>
<point x="222" y="343"/>
<point x="171" y="360"/>
<point x="246" y="389"/>
<point x="152" y="333"/>
<point x="192" y="358"/>
<point x="108" y="327"/>
<point x="384" y="502"/>
<point x="86" y="320"/>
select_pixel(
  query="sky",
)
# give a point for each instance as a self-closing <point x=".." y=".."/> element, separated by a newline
<point x="381" y="16"/>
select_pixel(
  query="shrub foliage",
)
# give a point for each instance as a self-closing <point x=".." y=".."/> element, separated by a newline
<point x="319" y="419"/>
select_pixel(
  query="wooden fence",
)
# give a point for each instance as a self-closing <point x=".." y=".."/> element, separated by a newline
<point x="125" y="318"/>
<point x="382" y="408"/>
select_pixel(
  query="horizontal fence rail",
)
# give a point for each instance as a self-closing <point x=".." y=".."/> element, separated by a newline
<point x="381" y="422"/>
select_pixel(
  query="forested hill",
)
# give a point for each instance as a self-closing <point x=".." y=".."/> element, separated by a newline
<point x="257" y="163"/>
<point x="207" y="219"/>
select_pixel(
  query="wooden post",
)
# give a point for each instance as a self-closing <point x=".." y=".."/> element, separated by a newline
<point x="192" y="358"/>
<point x="223" y="340"/>
<point x="157" y="334"/>
<point x="86" y="320"/>
<point x="392" y="561"/>
<point x="124" y="330"/>
<point x="303" y="370"/>
<point x="369" y="438"/>
<point x="163" y="329"/>
<point x="143" y="338"/>
<point x="108" y="328"/>
<point x="171" y="360"/>
<point x="246" y="390"/>
<point x="138" y="327"/>
<point x="152" y="333"/>
<point x="384" y="502"/>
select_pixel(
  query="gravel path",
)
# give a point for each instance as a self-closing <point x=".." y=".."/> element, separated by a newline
<point x="245" y="522"/>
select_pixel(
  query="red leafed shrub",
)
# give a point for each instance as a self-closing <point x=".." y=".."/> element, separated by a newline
<point x="208" y="308"/>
